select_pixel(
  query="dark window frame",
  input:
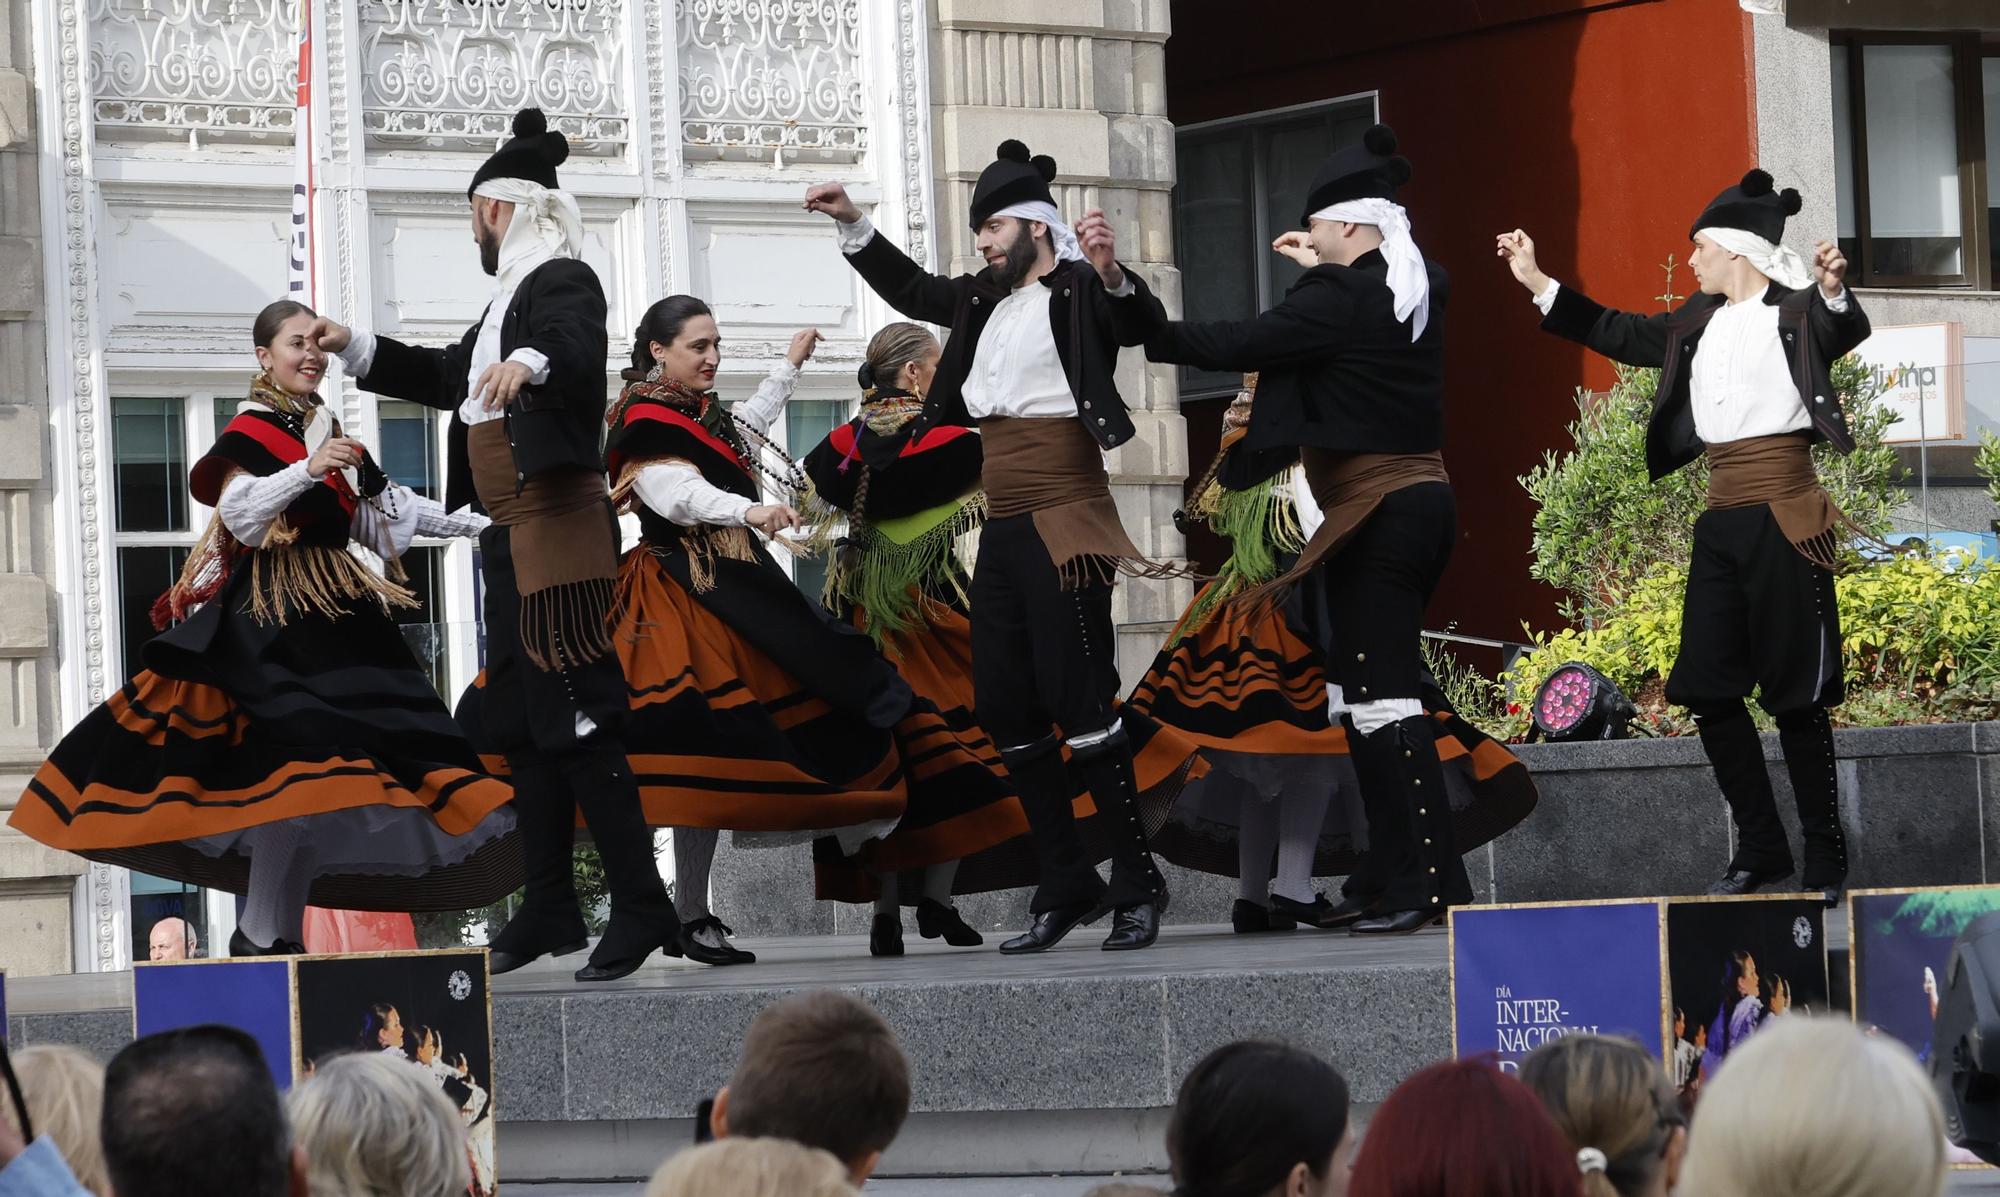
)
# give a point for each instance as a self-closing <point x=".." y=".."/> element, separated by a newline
<point x="1258" y="126"/>
<point x="1975" y="254"/>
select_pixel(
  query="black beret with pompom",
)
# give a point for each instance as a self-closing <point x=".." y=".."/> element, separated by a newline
<point x="1015" y="177"/>
<point x="1371" y="170"/>
<point x="1012" y="151"/>
<point x="1753" y="205"/>
<point x="533" y="154"/>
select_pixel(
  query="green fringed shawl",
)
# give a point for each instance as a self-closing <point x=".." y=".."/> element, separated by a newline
<point x="888" y="567"/>
<point x="1262" y="525"/>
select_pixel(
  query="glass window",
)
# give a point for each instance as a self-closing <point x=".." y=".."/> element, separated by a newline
<point x="225" y="411"/>
<point x="155" y="899"/>
<point x="807" y="421"/>
<point x="1843" y="153"/>
<point x="1990" y="105"/>
<point x="424" y="628"/>
<point x="148" y="445"/>
<point x="145" y="572"/>
<point x="410" y="446"/>
<point x="1912" y="137"/>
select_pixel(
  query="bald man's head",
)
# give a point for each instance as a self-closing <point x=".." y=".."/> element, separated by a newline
<point x="171" y="939"/>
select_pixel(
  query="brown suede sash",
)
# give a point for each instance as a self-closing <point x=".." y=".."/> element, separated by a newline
<point x="564" y="542"/>
<point x="1053" y="471"/>
<point x="1348" y="487"/>
<point x="1778" y="470"/>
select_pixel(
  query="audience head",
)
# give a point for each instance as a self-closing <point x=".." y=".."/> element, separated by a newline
<point x="1812" y="1107"/>
<point x="1464" y="1127"/>
<point x="171" y="939"/>
<point x="1256" y="1118"/>
<point x="752" y="1168"/>
<point x="679" y="336"/>
<point x="371" y="1126"/>
<point x="1610" y="1098"/>
<point x="195" y="1112"/>
<point x="821" y="1069"/>
<point x="64" y="1091"/>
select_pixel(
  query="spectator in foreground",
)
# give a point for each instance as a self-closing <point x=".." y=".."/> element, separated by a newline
<point x="194" y="1112"/>
<point x="64" y="1092"/>
<point x="1812" y="1107"/>
<point x="372" y="1125"/>
<point x="752" y="1168"/>
<point x="1463" y="1128"/>
<point x="822" y="1069"/>
<point x="1256" y="1118"/>
<point x="1611" y="1099"/>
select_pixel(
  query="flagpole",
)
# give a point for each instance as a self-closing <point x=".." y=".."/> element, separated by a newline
<point x="303" y="280"/>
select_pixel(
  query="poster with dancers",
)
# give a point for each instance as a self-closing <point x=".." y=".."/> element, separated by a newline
<point x="1733" y="965"/>
<point x="253" y="995"/>
<point x="1522" y="975"/>
<point x="432" y="1010"/>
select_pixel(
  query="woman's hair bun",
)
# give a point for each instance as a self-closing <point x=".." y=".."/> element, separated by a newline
<point x="866" y="375"/>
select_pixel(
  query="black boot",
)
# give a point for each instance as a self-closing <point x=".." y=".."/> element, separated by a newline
<point x="642" y="916"/>
<point x="935" y="920"/>
<point x="241" y="946"/>
<point x="1248" y="918"/>
<point x="549" y="921"/>
<point x="885" y="935"/>
<point x="1409" y="828"/>
<point x="1807" y="739"/>
<point x="1763" y="858"/>
<point x="1361" y="890"/>
<point x="1137" y="892"/>
<point x="1068" y="884"/>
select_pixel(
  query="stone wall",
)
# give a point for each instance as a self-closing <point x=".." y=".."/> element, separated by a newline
<point x="36" y="883"/>
<point x="1083" y="81"/>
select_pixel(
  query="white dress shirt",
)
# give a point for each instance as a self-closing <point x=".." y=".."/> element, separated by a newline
<point x="359" y="356"/>
<point x="1741" y="384"/>
<point x="676" y="491"/>
<point x="1016" y="370"/>
<point x="385" y="525"/>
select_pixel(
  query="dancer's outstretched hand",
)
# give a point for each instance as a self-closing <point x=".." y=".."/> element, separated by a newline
<point x="1297" y="245"/>
<point x="831" y="199"/>
<point x="772" y="518"/>
<point x="1100" y="248"/>
<point x="1830" y="268"/>
<point x="1519" y="250"/>
<point x="803" y="343"/>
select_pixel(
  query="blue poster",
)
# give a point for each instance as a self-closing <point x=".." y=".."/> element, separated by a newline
<point x="1524" y="975"/>
<point x="254" y="996"/>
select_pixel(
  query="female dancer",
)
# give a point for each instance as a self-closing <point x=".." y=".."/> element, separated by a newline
<point x="897" y="574"/>
<point x="1241" y="680"/>
<point x="281" y="741"/>
<point x="751" y="708"/>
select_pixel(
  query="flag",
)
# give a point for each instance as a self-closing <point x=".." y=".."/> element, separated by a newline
<point x="303" y="284"/>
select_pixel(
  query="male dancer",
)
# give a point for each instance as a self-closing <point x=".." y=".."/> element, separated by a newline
<point x="528" y="385"/>
<point x="1745" y="376"/>
<point x="1351" y="381"/>
<point x="1036" y="337"/>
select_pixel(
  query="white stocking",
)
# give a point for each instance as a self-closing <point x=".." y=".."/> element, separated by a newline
<point x="1300" y="816"/>
<point x="694" y="855"/>
<point x="937" y="882"/>
<point x="281" y="878"/>
<point x="1255" y="840"/>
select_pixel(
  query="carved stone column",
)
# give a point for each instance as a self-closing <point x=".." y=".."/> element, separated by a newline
<point x="1083" y="81"/>
<point x="36" y="883"/>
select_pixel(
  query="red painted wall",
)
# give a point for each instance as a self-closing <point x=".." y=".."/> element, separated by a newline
<point x="1599" y="126"/>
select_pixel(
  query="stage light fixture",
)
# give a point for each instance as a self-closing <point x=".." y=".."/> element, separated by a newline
<point x="1965" y="1051"/>
<point x="1579" y="703"/>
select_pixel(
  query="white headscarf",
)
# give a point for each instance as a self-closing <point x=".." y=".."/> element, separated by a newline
<point x="1409" y="281"/>
<point x="1067" y="250"/>
<point x="1775" y="262"/>
<point x="546" y="225"/>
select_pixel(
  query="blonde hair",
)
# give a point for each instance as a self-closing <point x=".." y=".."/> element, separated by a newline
<point x="895" y="346"/>
<point x="1811" y="1107"/>
<point x="376" y="1127"/>
<point x="752" y="1168"/>
<point x="64" y="1092"/>
<point x="1611" y="1095"/>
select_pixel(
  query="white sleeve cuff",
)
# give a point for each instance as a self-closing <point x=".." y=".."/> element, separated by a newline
<point x="359" y="356"/>
<point x="535" y="360"/>
<point x="386" y="524"/>
<point x="677" y="492"/>
<point x="1547" y="299"/>
<point x="1125" y="288"/>
<point x="249" y="505"/>
<point x="1838" y="304"/>
<point x="853" y="237"/>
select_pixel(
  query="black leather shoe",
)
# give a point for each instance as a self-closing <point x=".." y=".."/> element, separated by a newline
<point x="935" y="920"/>
<point x="1746" y="881"/>
<point x="502" y="961"/>
<point x="1319" y="912"/>
<point x="885" y="935"/>
<point x="1051" y="926"/>
<point x="240" y="945"/>
<point x="1248" y="918"/>
<point x="1398" y="922"/>
<point x="706" y="941"/>
<point x="1135" y="927"/>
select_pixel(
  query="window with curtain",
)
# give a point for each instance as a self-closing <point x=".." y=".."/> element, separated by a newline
<point x="153" y="515"/>
<point x="1241" y="183"/>
<point x="1914" y="142"/>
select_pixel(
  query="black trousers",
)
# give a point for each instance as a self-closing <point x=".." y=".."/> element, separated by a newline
<point x="1365" y="608"/>
<point x="1045" y="669"/>
<point x="531" y="716"/>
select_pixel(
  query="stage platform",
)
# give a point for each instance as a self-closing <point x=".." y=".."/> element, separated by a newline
<point x="1063" y="1062"/>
